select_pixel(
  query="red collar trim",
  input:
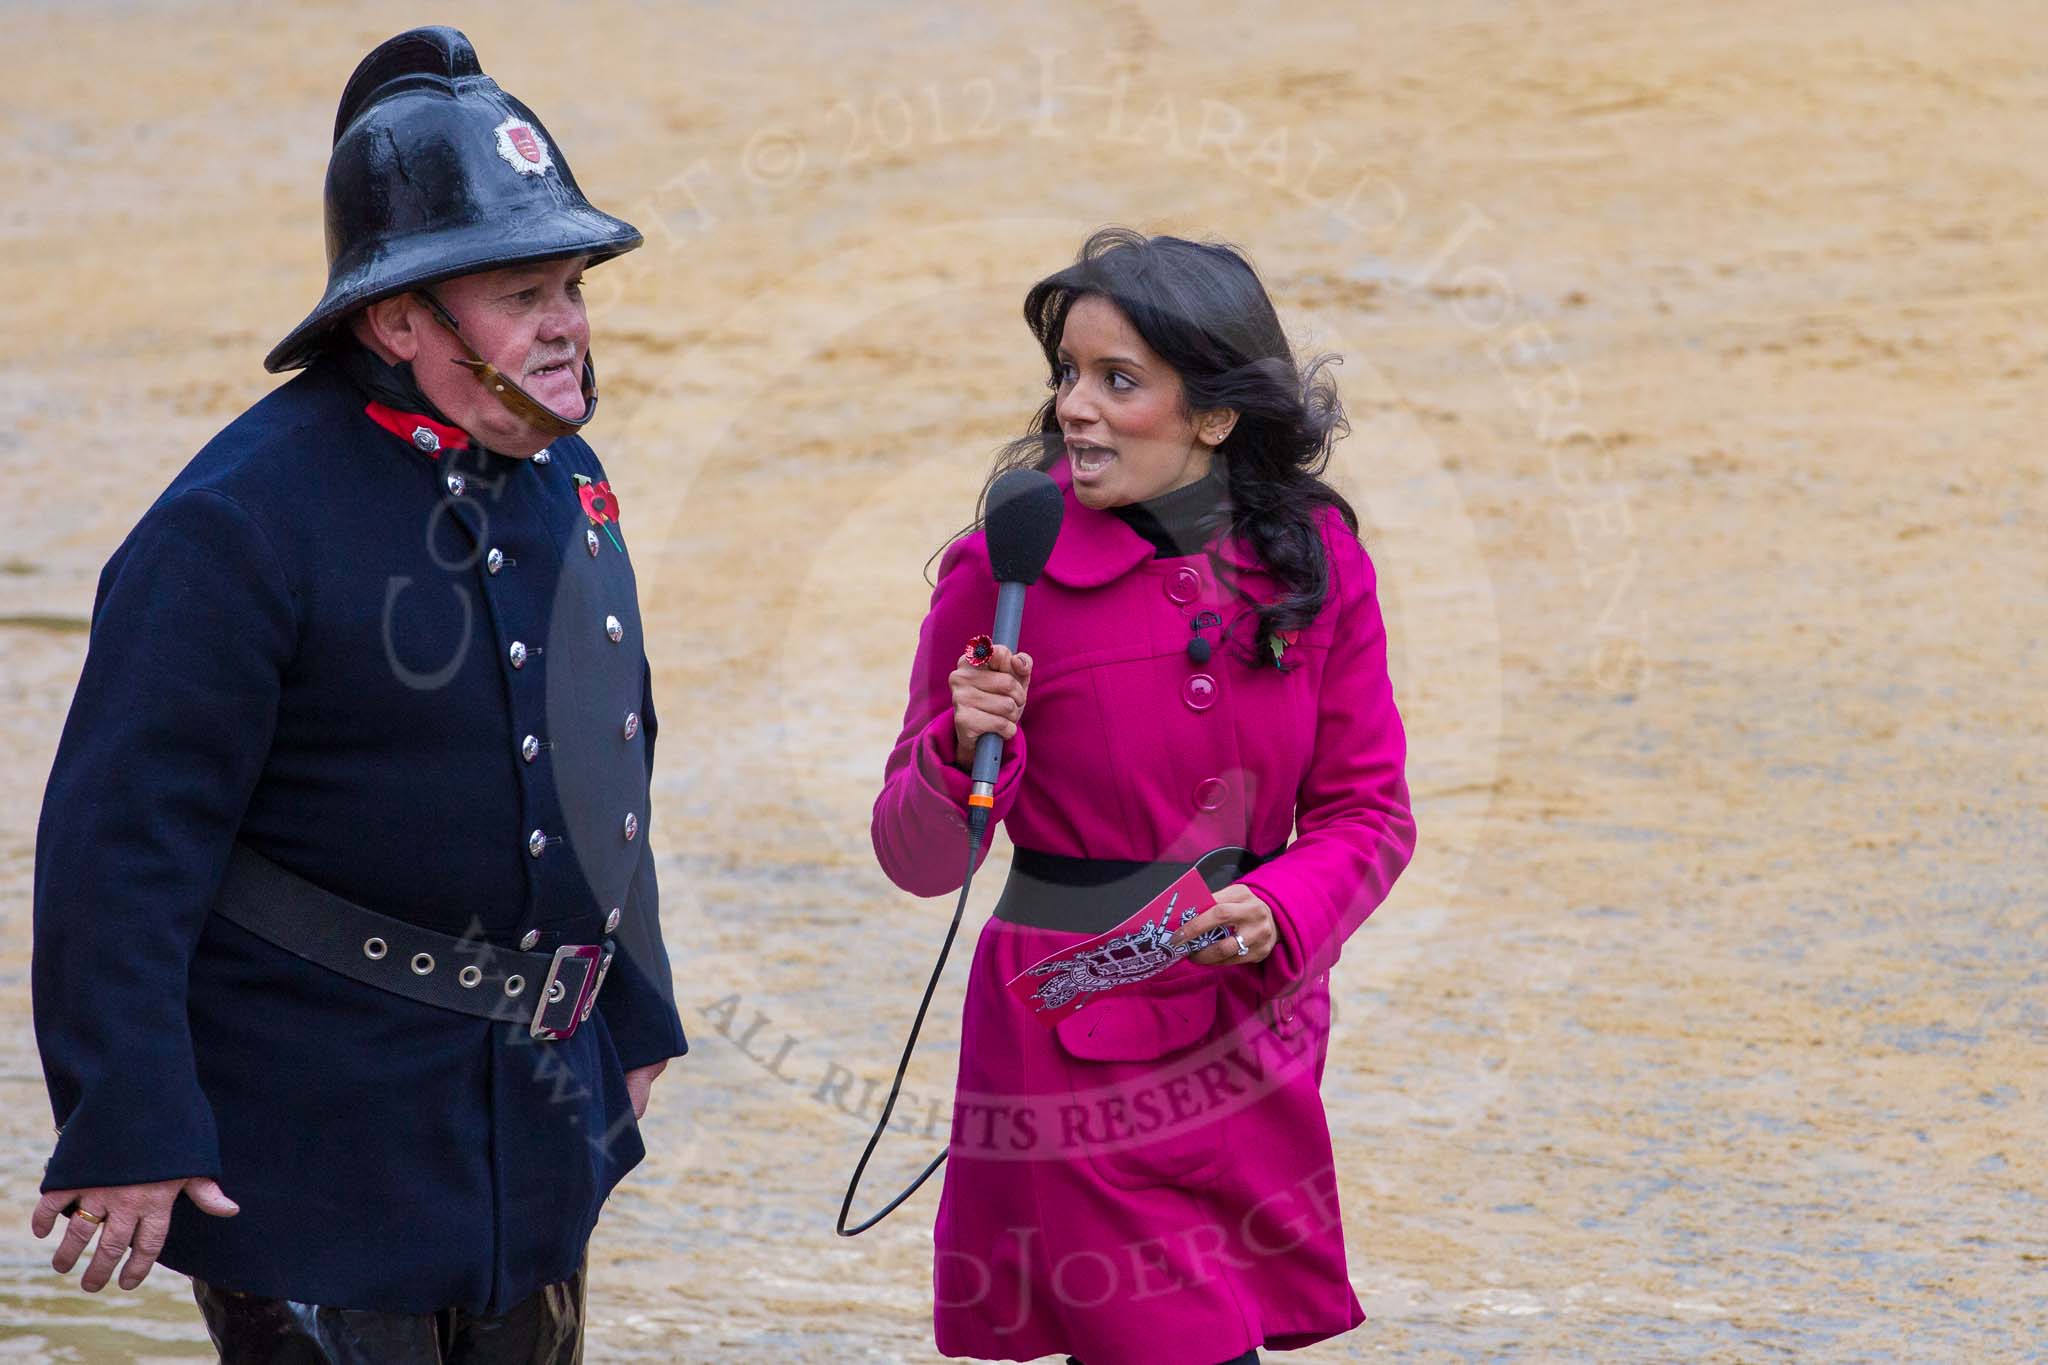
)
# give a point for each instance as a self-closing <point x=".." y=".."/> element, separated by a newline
<point x="408" y="426"/>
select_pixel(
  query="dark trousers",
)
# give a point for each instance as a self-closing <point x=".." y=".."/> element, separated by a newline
<point x="546" y="1328"/>
<point x="1250" y="1357"/>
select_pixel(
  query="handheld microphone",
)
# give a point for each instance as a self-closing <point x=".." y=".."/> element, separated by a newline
<point x="1023" y="521"/>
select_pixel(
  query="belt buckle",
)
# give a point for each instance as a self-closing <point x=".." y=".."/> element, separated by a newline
<point x="569" y="991"/>
<point x="604" y="964"/>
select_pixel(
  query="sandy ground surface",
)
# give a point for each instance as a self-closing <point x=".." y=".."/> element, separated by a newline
<point x="1694" y="355"/>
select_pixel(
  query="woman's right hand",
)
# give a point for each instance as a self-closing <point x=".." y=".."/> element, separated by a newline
<point x="988" y="700"/>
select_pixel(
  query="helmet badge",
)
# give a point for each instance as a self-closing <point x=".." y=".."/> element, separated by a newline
<point x="522" y="147"/>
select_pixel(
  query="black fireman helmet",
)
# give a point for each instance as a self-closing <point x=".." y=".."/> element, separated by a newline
<point x="436" y="173"/>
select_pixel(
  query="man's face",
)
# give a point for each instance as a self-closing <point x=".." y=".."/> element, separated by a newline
<point x="527" y="320"/>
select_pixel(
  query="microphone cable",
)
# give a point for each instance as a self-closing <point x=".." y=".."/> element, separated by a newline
<point x="1022" y="513"/>
<point x="977" y="826"/>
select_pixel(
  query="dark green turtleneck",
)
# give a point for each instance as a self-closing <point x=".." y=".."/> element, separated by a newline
<point x="1180" y="522"/>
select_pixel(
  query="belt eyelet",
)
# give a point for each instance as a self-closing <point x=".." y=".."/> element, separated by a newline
<point x="470" y="975"/>
<point x="514" y="984"/>
<point x="422" y="963"/>
<point x="375" y="948"/>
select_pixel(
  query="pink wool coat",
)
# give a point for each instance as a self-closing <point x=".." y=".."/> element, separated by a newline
<point x="1152" y="1183"/>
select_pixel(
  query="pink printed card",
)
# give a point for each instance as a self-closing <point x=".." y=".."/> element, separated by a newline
<point x="1136" y="950"/>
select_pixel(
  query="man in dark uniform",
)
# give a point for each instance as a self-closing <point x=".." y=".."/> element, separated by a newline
<point x="345" y="915"/>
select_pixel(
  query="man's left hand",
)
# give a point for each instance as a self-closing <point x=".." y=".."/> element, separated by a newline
<point x="1236" y="909"/>
<point x="129" y="1220"/>
<point x="639" y="1081"/>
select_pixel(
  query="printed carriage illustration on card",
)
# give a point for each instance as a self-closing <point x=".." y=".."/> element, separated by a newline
<point x="1122" y="957"/>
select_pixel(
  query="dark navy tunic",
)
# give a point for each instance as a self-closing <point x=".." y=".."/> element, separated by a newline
<point x="405" y="677"/>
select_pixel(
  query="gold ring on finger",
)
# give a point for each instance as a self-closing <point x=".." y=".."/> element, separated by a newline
<point x="89" y="1216"/>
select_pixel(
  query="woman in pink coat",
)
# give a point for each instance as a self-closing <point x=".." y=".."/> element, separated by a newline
<point x="1151" y="1182"/>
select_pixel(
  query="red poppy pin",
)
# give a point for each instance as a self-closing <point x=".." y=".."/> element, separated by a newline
<point x="601" y="505"/>
<point x="1279" y="640"/>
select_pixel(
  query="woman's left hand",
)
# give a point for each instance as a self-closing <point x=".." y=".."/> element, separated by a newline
<point x="1236" y="909"/>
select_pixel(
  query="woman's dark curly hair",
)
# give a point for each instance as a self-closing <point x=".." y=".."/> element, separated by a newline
<point x="1201" y="308"/>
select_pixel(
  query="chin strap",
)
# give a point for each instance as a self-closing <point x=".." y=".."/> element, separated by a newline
<point x="517" y="401"/>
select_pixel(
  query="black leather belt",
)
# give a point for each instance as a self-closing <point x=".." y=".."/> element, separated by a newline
<point x="1094" y="895"/>
<point x="552" y="993"/>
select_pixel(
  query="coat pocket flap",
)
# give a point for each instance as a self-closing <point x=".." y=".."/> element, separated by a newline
<point x="1139" y="1027"/>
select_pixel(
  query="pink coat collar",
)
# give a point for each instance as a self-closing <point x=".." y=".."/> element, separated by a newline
<point x="1094" y="547"/>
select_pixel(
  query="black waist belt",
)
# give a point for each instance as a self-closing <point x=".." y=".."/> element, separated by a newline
<point x="1094" y="895"/>
<point x="551" y="992"/>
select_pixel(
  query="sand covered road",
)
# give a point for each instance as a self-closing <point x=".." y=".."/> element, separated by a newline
<point x="1694" y="356"/>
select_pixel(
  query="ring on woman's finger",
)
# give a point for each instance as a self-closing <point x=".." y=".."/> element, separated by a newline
<point x="1241" y="949"/>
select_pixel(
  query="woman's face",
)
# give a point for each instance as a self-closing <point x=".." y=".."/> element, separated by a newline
<point x="1128" y="435"/>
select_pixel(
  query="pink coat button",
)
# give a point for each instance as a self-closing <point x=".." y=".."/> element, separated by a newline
<point x="1199" y="692"/>
<point x="1183" y="585"/>
<point x="1209" y="793"/>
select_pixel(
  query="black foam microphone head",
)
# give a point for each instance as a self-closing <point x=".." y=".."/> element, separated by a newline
<point x="1023" y="521"/>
